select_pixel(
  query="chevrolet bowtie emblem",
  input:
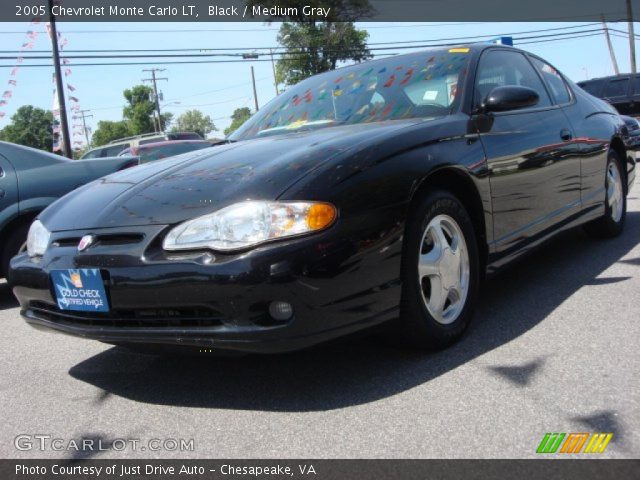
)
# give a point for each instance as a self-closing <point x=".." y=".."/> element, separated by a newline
<point x="86" y="242"/>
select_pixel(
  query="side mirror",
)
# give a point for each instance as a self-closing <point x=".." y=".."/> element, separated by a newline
<point x="510" y="97"/>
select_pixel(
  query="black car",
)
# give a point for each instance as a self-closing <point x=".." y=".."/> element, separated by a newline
<point x="621" y="91"/>
<point x="380" y="192"/>
<point x="30" y="180"/>
<point x="632" y="140"/>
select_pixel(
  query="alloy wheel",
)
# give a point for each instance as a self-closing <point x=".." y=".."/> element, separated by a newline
<point x="614" y="191"/>
<point x="443" y="269"/>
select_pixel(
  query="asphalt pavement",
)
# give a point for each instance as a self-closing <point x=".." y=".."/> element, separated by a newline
<point x="554" y="348"/>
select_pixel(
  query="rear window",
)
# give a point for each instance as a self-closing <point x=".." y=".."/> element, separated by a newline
<point x="616" y="88"/>
<point x="636" y="86"/>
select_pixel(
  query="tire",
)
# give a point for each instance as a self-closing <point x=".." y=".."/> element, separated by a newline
<point x="430" y="260"/>
<point x="15" y="241"/>
<point x="611" y="223"/>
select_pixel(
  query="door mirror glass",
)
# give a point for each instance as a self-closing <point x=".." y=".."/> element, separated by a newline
<point x="510" y="97"/>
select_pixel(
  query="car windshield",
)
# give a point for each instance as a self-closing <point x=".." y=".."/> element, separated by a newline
<point x="424" y="84"/>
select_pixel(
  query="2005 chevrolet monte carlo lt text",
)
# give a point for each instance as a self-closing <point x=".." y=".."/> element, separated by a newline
<point x="379" y="192"/>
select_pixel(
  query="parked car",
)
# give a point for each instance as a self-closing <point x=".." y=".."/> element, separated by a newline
<point x="379" y="192"/>
<point x="116" y="147"/>
<point x="159" y="150"/>
<point x="632" y="141"/>
<point x="30" y="180"/>
<point x="621" y="91"/>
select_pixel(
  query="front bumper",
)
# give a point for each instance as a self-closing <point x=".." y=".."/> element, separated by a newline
<point x="208" y="301"/>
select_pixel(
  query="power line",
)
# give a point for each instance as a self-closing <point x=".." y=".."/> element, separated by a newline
<point x="245" y="49"/>
<point x="292" y="53"/>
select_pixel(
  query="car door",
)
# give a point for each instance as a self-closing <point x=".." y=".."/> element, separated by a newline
<point x="8" y="190"/>
<point x="534" y="169"/>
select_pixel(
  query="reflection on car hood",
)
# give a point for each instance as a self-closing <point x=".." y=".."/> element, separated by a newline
<point x="199" y="182"/>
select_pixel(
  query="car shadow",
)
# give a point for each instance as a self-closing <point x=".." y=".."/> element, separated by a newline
<point x="7" y="300"/>
<point x="359" y="370"/>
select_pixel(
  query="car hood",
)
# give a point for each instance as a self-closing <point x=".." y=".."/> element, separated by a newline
<point x="193" y="184"/>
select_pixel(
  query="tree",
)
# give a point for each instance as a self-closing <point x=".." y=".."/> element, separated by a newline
<point x="238" y="117"/>
<point x="140" y="111"/>
<point x="316" y="44"/>
<point x="108" y="131"/>
<point x="194" y="121"/>
<point x="30" y="126"/>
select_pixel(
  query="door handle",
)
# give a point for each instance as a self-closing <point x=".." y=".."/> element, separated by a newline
<point x="1" y="193"/>
<point x="565" y="134"/>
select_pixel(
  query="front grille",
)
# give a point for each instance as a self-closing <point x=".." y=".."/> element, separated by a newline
<point x="103" y="239"/>
<point x="189" y="317"/>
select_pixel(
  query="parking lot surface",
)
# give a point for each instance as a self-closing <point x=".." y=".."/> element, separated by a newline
<point x="553" y="348"/>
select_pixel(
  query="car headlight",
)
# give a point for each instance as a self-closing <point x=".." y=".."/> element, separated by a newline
<point x="248" y="224"/>
<point x="37" y="239"/>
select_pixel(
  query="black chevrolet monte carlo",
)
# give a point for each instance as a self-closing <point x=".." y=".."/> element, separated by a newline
<point x="379" y="192"/>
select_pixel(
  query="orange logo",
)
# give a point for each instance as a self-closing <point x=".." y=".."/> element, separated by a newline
<point x="76" y="280"/>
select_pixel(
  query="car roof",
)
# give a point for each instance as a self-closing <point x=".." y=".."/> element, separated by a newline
<point x="610" y="77"/>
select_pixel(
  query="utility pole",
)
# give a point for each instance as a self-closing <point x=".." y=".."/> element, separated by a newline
<point x="611" y="52"/>
<point x="632" y="37"/>
<point x="255" y="93"/>
<point x="81" y="114"/>
<point x="273" y="67"/>
<point x="64" y="124"/>
<point x="155" y="79"/>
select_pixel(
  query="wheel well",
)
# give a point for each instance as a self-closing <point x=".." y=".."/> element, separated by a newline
<point x="617" y="145"/>
<point x="21" y="220"/>
<point x="462" y="187"/>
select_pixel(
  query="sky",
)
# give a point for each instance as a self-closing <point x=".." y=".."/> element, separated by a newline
<point x="218" y="89"/>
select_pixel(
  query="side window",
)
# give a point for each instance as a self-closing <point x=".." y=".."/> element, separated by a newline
<point x="616" y="88"/>
<point x="115" y="150"/>
<point x="636" y="86"/>
<point x="499" y="68"/>
<point x="592" y="87"/>
<point x="554" y="80"/>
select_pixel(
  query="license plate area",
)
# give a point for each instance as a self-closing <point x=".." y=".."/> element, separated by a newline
<point x="80" y="290"/>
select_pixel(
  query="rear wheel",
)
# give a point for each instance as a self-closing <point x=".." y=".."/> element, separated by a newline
<point x="440" y="272"/>
<point x="15" y="243"/>
<point x="611" y="223"/>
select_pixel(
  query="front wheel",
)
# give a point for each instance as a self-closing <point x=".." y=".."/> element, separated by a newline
<point x="440" y="272"/>
<point x="611" y="223"/>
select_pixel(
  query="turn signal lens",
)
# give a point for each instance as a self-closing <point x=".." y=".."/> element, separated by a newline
<point x="320" y="215"/>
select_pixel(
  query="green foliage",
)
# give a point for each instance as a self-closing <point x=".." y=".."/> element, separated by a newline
<point x="166" y="119"/>
<point x="316" y="45"/>
<point x="30" y="126"/>
<point x="194" y="121"/>
<point x="238" y="117"/>
<point x="140" y="109"/>
<point x="317" y="48"/>
<point x="108" y="131"/>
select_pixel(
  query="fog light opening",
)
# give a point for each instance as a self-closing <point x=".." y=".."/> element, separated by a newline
<point x="280" y="311"/>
